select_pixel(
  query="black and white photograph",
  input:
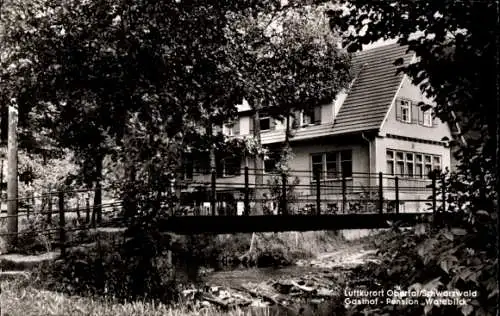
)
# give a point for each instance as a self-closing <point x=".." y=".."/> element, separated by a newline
<point x="249" y="157"/>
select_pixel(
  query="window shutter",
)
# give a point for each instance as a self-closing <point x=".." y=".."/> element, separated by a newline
<point x="398" y="110"/>
<point x="434" y="121"/>
<point x="317" y="115"/>
<point x="414" y="113"/>
<point x="420" y="116"/>
<point x="236" y="126"/>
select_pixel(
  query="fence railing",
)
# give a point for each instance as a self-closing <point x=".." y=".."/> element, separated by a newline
<point x="62" y="214"/>
<point x="302" y="192"/>
<point x="61" y="218"/>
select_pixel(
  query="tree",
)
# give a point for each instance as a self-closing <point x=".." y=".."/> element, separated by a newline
<point x="286" y="60"/>
<point x="126" y="81"/>
<point x="457" y="66"/>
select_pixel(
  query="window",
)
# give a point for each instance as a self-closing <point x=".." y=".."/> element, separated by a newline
<point x="332" y="165"/>
<point x="346" y="163"/>
<point x="317" y="166"/>
<point x="232" y="129"/>
<point x="427" y="118"/>
<point x="270" y="165"/>
<point x="408" y="164"/>
<point x="310" y="116"/>
<point x="229" y="166"/>
<point x="271" y="162"/>
<point x="436" y="163"/>
<point x="390" y="162"/>
<point x="419" y="167"/>
<point x="403" y="111"/>
<point x="265" y="123"/>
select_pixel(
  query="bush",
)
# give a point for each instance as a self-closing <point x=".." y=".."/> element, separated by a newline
<point x="436" y="260"/>
<point x="110" y="271"/>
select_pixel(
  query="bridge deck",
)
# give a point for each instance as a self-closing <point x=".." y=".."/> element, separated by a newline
<point x="274" y="223"/>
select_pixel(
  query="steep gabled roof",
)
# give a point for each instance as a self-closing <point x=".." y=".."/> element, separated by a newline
<point x="373" y="91"/>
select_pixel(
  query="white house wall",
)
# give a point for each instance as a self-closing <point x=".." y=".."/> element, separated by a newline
<point x="393" y="126"/>
<point x="384" y="143"/>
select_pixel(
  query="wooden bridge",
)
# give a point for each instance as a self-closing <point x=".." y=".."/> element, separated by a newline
<point x="275" y="223"/>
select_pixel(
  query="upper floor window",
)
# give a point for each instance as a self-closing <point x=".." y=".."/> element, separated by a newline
<point x="232" y="129"/>
<point x="332" y="165"/>
<point x="310" y="116"/>
<point x="266" y="122"/>
<point x="427" y="118"/>
<point x="408" y="164"/>
<point x="403" y="111"/>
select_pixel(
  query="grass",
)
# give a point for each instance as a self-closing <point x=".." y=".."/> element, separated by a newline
<point x="21" y="299"/>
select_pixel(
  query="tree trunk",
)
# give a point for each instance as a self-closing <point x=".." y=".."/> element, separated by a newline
<point x="258" y="165"/>
<point x="97" y="211"/>
<point x="12" y="224"/>
<point x="213" y="165"/>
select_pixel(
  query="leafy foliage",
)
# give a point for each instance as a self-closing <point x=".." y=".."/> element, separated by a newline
<point x="434" y="260"/>
<point x="455" y="66"/>
<point x="287" y="59"/>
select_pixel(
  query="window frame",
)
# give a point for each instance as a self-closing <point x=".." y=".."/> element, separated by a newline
<point x="417" y="159"/>
<point x="427" y="119"/>
<point x="271" y="157"/>
<point x="311" y="114"/>
<point x="225" y="169"/>
<point x="265" y="117"/>
<point x="339" y="172"/>
<point x="302" y="116"/>
<point x="404" y="105"/>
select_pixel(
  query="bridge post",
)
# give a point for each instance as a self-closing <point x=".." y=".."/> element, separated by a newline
<point x="62" y="223"/>
<point x="344" y="198"/>
<point x="396" y="185"/>
<point x="318" y="195"/>
<point x="433" y="176"/>
<point x="443" y="191"/>
<point x="284" y="208"/>
<point x="380" y="193"/>
<point x="212" y="193"/>
<point x="49" y="206"/>
<point x="246" y="201"/>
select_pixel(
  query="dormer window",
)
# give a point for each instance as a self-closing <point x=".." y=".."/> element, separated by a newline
<point x="310" y="116"/>
<point x="266" y="122"/>
<point x="403" y="112"/>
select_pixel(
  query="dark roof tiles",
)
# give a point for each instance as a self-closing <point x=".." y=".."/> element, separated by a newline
<point x="374" y="88"/>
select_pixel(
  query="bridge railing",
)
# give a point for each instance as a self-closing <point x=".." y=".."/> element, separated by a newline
<point x="252" y="191"/>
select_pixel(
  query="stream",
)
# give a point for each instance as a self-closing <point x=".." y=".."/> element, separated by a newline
<point x="309" y="287"/>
